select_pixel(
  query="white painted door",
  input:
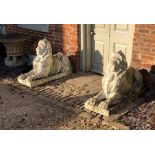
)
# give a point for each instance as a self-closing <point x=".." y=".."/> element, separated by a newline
<point x="107" y="39"/>
<point x="121" y="38"/>
<point x="100" y="46"/>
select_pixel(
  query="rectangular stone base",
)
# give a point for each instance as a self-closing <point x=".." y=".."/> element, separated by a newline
<point x="117" y="111"/>
<point x="40" y="81"/>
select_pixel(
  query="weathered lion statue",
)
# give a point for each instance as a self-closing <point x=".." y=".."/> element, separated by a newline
<point x="45" y="64"/>
<point x="119" y="84"/>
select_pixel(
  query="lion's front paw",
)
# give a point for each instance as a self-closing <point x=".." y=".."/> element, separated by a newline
<point x="22" y="77"/>
<point x="104" y="105"/>
<point x="29" y="78"/>
<point x="91" y="102"/>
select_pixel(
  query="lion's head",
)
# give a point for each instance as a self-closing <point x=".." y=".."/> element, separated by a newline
<point x="117" y="62"/>
<point x="43" y="47"/>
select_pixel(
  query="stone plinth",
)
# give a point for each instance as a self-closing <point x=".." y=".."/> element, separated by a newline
<point x="37" y="82"/>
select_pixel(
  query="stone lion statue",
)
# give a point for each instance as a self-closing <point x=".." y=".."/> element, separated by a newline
<point x="119" y="83"/>
<point x="45" y="64"/>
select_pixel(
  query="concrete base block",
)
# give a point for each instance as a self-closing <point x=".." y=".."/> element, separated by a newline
<point x="116" y="111"/>
<point x="37" y="82"/>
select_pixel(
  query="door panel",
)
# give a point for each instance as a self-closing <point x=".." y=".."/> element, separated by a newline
<point x="100" y="47"/>
<point x="118" y="47"/>
<point x="121" y="27"/>
<point x="121" y="38"/>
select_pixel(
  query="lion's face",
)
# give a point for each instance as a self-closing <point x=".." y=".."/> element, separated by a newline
<point x="114" y="65"/>
<point x="43" y="46"/>
<point x="117" y="62"/>
<point x="40" y="47"/>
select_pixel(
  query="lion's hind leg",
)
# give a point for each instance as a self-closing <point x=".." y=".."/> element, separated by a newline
<point x="67" y="68"/>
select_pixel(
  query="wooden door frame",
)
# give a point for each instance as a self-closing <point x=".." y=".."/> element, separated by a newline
<point x="86" y="47"/>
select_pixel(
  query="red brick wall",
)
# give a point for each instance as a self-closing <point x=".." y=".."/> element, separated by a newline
<point x="143" y="55"/>
<point x="63" y="37"/>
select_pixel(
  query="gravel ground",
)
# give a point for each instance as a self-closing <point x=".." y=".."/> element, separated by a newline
<point x="142" y="117"/>
<point x="23" y="111"/>
<point x="84" y="124"/>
